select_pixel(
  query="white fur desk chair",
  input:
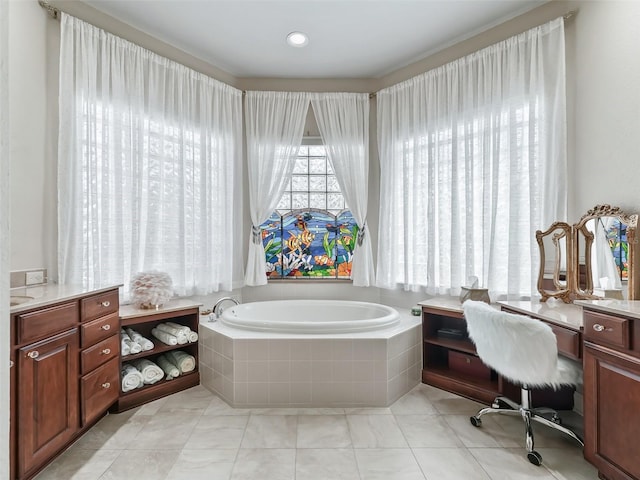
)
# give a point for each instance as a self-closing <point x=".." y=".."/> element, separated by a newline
<point x="524" y="351"/>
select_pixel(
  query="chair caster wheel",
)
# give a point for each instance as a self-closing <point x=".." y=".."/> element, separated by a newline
<point x="475" y="421"/>
<point x="535" y="458"/>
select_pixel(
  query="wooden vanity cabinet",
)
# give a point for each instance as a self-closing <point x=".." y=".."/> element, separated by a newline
<point x="64" y="375"/>
<point x="100" y="343"/>
<point x="612" y="394"/>
<point x="47" y="398"/>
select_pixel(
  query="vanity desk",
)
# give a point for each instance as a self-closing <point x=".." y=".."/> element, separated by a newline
<point x="452" y="364"/>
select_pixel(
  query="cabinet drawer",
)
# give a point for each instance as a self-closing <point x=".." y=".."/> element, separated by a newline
<point x="569" y="342"/>
<point x="98" y="305"/>
<point x="606" y="329"/>
<point x="97" y="330"/>
<point x="99" y="390"/>
<point x="46" y="322"/>
<point x="468" y="365"/>
<point x="100" y="353"/>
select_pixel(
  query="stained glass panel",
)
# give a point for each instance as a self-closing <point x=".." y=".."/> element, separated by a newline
<point x="617" y="238"/>
<point x="347" y="235"/>
<point x="304" y="238"/>
<point x="271" y="232"/>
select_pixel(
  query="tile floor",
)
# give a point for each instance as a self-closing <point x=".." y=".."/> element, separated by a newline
<point x="424" y="435"/>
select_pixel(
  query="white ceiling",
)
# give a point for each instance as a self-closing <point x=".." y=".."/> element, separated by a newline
<point x="347" y="39"/>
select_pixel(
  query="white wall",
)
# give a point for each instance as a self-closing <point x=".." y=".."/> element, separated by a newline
<point x="607" y="106"/>
<point x="32" y="137"/>
<point x="5" y="241"/>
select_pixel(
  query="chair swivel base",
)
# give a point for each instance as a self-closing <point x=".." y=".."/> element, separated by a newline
<point x="545" y="416"/>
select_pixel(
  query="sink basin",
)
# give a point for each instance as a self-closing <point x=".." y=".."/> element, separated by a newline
<point x="19" y="299"/>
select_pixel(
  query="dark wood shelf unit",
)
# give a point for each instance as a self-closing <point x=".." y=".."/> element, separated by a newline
<point x="143" y="321"/>
<point x="459" y="345"/>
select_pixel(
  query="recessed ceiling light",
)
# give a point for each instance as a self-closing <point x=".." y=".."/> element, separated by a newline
<point x="297" y="39"/>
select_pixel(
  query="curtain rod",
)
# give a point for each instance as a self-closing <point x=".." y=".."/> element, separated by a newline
<point x="51" y="10"/>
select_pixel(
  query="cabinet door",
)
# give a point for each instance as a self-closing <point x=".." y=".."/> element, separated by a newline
<point x="611" y="405"/>
<point x="47" y="398"/>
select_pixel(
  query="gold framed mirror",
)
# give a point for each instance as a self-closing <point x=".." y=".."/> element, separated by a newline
<point x="601" y="252"/>
<point x="555" y="249"/>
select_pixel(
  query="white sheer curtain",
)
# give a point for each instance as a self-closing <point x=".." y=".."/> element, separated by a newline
<point x="149" y="166"/>
<point x="343" y="121"/>
<point x="274" y="126"/>
<point x="603" y="266"/>
<point x="473" y="161"/>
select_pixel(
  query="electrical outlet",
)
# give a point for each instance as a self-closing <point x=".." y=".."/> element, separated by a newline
<point x="34" y="278"/>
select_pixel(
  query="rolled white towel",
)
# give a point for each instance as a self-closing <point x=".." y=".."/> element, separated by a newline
<point x="191" y="335"/>
<point x="131" y="377"/>
<point x="169" y="368"/>
<point x="179" y="333"/>
<point x="151" y="373"/>
<point x="132" y="347"/>
<point x="125" y="349"/>
<point x="145" y="343"/>
<point x="185" y="362"/>
<point x="164" y="337"/>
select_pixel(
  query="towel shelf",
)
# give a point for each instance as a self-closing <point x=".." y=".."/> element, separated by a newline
<point x="182" y="312"/>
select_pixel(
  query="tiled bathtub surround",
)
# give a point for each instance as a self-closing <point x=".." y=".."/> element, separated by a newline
<point x="253" y="369"/>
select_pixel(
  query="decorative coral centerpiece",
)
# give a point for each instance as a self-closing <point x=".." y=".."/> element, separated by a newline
<point x="151" y="289"/>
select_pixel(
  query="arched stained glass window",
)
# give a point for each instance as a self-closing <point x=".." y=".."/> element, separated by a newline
<point x="311" y="234"/>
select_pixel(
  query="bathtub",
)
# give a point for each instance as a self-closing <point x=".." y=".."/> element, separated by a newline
<point x="310" y="316"/>
<point x="310" y="353"/>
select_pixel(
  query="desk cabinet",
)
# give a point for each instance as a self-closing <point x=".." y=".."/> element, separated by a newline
<point x="612" y="394"/>
<point x="453" y="365"/>
<point x="444" y="359"/>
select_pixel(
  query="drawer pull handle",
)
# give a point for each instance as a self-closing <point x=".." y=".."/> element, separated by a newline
<point x="106" y="303"/>
<point x="105" y="327"/>
<point x="33" y="354"/>
<point x="106" y="351"/>
<point x="10" y="363"/>
<point x="601" y="328"/>
<point x="106" y="385"/>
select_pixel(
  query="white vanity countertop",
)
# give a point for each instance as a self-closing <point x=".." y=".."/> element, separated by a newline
<point x="445" y="303"/>
<point x="131" y="311"/>
<point x="629" y="308"/>
<point x="553" y="311"/>
<point x="44" y="295"/>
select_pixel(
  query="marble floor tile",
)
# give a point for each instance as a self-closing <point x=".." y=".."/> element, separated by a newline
<point x="375" y="431"/>
<point x="567" y="464"/>
<point x="264" y="463"/>
<point x="165" y="431"/>
<point x="79" y="464"/>
<point x="414" y="402"/>
<point x="142" y="465"/>
<point x="326" y="431"/>
<point x="270" y="431"/>
<point x="509" y="464"/>
<point x="326" y="464"/>
<point x="210" y="464"/>
<point x="196" y="435"/>
<point x="217" y="432"/>
<point x="449" y="464"/>
<point x="217" y="406"/>
<point x="388" y="464"/>
<point x="424" y="431"/>
<point x="470" y="436"/>
<point x="113" y="432"/>
<point x="195" y="399"/>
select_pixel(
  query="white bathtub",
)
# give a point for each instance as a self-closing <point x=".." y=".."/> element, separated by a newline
<point x="310" y="316"/>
